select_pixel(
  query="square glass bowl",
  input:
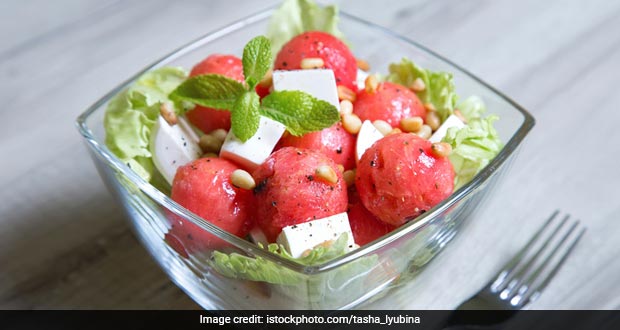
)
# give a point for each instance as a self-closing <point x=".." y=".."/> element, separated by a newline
<point x="354" y="280"/>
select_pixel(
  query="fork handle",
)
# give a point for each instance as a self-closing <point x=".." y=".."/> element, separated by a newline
<point x="478" y="319"/>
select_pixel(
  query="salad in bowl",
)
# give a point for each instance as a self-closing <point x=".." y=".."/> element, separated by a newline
<point x="288" y="170"/>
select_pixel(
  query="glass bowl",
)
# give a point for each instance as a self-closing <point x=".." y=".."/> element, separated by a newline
<point x="354" y="280"/>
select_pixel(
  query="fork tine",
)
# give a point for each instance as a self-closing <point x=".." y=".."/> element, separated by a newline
<point x="514" y="282"/>
<point x="508" y="271"/>
<point x="524" y="284"/>
<point x="532" y="294"/>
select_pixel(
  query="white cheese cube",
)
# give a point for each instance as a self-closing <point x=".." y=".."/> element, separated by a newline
<point x="319" y="83"/>
<point x="366" y="137"/>
<point x="253" y="152"/>
<point x="173" y="146"/>
<point x="451" y="121"/>
<point x="361" y="78"/>
<point x="299" y="238"/>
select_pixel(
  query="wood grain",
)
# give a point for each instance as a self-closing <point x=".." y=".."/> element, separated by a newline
<point x="65" y="244"/>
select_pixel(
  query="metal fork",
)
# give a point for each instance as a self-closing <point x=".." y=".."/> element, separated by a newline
<point x="526" y="275"/>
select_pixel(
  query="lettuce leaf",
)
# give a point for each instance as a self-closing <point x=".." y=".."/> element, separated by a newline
<point x="472" y="108"/>
<point x="325" y="290"/>
<point x="131" y="115"/>
<point x="297" y="16"/>
<point x="473" y="146"/>
<point x="439" y="91"/>
<point x="238" y="266"/>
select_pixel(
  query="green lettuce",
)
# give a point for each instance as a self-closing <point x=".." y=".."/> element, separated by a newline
<point x="258" y="269"/>
<point x="472" y="108"/>
<point x="297" y="16"/>
<point x="325" y="290"/>
<point x="439" y="86"/>
<point x="474" y="145"/>
<point x="131" y="115"/>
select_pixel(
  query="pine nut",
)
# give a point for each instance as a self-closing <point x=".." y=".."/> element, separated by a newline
<point x="432" y="120"/>
<point x="242" y="179"/>
<point x="267" y="80"/>
<point x="312" y="63"/>
<point x="425" y="132"/>
<point x="326" y="173"/>
<point x="382" y="126"/>
<point x="351" y="123"/>
<point x="459" y="114"/>
<point x="219" y="134"/>
<point x="327" y="244"/>
<point x="395" y="130"/>
<point x="340" y="168"/>
<point x="349" y="177"/>
<point x="418" y="85"/>
<point x="441" y="149"/>
<point x="371" y="84"/>
<point x="208" y="143"/>
<point x="169" y="116"/>
<point x="346" y="107"/>
<point x="345" y="93"/>
<point x="430" y="107"/>
<point x="362" y="65"/>
<point x="411" y="124"/>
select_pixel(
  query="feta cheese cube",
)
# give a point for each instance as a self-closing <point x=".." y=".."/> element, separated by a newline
<point x="253" y="152"/>
<point x="319" y="83"/>
<point x="302" y="237"/>
<point x="451" y="121"/>
<point x="173" y="146"/>
<point x="366" y="137"/>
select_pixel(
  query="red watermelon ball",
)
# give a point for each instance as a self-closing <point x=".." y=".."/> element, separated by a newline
<point x="290" y="192"/>
<point x="399" y="178"/>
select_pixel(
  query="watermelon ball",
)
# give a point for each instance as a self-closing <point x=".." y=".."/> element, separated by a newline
<point x="389" y="102"/>
<point x="335" y="142"/>
<point x="316" y="44"/>
<point x="209" y="119"/>
<point x="289" y="190"/>
<point x="364" y="225"/>
<point x="226" y="65"/>
<point x="399" y="178"/>
<point x="204" y="188"/>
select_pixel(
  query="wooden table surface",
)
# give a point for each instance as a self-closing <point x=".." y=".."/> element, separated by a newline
<point x="64" y="243"/>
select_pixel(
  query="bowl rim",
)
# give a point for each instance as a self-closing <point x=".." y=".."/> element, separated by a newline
<point x="250" y="248"/>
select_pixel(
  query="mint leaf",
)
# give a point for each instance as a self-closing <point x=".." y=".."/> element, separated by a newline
<point x="245" y="116"/>
<point x="299" y="112"/>
<point x="256" y="60"/>
<point x="209" y="90"/>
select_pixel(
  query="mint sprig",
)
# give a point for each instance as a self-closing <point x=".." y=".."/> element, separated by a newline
<point x="300" y="112"/>
<point x="210" y="90"/>
<point x="246" y="110"/>
<point x="256" y="60"/>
